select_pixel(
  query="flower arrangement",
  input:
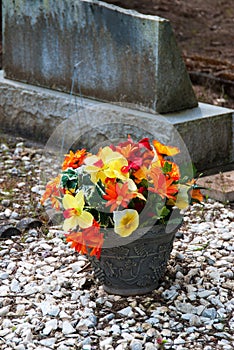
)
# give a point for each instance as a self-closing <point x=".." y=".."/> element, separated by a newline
<point x="110" y="189"/>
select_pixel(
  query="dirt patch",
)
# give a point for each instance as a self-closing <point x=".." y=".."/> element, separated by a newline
<point x="204" y="31"/>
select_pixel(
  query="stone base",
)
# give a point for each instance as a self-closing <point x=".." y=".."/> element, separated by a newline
<point x="219" y="186"/>
<point x="35" y="113"/>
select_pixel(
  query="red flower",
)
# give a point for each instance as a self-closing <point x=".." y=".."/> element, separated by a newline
<point x="137" y="154"/>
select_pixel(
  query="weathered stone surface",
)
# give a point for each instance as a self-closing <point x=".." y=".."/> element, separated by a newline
<point x="219" y="186"/>
<point x="125" y="57"/>
<point x="38" y="113"/>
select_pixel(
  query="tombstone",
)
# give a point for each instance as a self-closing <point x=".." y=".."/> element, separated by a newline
<point x="125" y="57"/>
<point x="128" y="61"/>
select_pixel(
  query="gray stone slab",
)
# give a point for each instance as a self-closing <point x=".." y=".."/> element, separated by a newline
<point x="125" y="57"/>
<point x="219" y="186"/>
<point x="38" y="113"/>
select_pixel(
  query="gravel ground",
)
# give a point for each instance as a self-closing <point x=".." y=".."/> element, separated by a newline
<point x="49" y="298"/>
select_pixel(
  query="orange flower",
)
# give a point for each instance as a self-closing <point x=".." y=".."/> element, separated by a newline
<point x="162" y="149"/>
<point x="174" y="173"/>
<point x="140" y="174"/>
<point x="162" y="185"/>
<point x="52" y="192"/>
<point x="74" y="160"/>
<point x="89" y="238"/>
<point x="196" y="194"/>
<point x="118" y="195"/>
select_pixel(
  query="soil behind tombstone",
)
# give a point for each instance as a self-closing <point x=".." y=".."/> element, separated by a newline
<point x="205" y="33"/>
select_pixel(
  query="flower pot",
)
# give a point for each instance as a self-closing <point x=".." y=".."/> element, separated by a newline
<point x="135" y="268"/>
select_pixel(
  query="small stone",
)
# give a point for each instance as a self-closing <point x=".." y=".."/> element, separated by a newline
<point x="27" y="336"/>
<point x="115" y="329"/>
<point x="4" y="332"/>
<point x="49" y="326"/>
<point x="127" y="336"/>
<point x="77" y="266"/>
<point x="104" y="343"/>
<point x="140" y="312"/>
<point x="186" y="317"/>
<point x="101" y="333"/>
<point x="20" y="347"/>
<point x="195" y="320"/>
<point x="152" y="321"/>
<point x="108" y="304"/>
<point x="179" y="341"/>
<point x="185" y="308"/>
<point x="151" y="332"/>
<point x="210" y="313"/>
<point x="84" y="324"/>
<point x="20" y="310"/>
<point x="205" y="293"/>
<point x="7" y="213"/>
<point x="67" y="328"/>
<point x="120" y="347"/>
<point x="14" y="215"/>
<point x="218" y="326"/>
<point x="49" y="309"/>
<point x="223" y="335"/>
<point x="227" y="236"/>
<point x="179" y="275"/>
<point x="38" y="190"/>
<point x="166" y="333"/>
<point x="169" y="294"/>
<point x="21" y="184"/>
<point x="136" y="345"/>
<point x="149" y="346"/>
<point x="48" y="342"/>
<point x="109" y="317"/>
<point x="127" y="311"/>
<point x="15" y="286"/>
<point x="179" y="256"/>
<point x="4" y="276"/>
<point x="84" y="299"/>
<point x="6" y="202"/>
<point x="192" y="296"/>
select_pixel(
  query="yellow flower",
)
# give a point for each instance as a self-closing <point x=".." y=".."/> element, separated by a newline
<point x="126" y="221"/>
<point x="108" y="164"/>
<point x="74" y="213"/>
<point x="182" y="200"/>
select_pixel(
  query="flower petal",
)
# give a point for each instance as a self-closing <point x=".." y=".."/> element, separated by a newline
<point x="80" y="200"/>
<point x="85" y="219"/>
<point x="182" y="200"/>
<point x="70" y="223"/>
<point x="126" y="222"/>
<point x="69" y="201"/>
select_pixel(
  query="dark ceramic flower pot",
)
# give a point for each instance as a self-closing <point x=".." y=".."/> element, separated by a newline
<point x="136" y="267"/>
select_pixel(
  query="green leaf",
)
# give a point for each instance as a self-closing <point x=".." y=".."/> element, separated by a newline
<point x="167" y="167"/>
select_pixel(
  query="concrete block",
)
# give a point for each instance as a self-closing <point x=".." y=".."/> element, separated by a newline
<point x="125" y="57"/>
<point x="38" y="113"/>
<point x="219" y="186"/>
